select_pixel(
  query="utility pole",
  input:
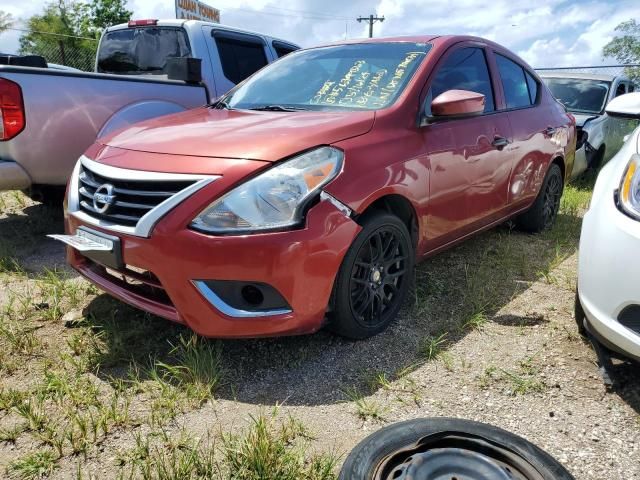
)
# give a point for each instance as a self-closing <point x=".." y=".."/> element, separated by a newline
<point x="371" y="19"/>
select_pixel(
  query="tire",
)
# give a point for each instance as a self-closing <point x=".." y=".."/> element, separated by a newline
<point x="373" y="279"/>
<point x="542" y="214"/>
<point x="388" y="453"/>
<point x="596" y="159"/>
<point x="50" y="195"/>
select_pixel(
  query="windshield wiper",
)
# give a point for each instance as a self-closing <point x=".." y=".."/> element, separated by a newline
<point x="220" y="105"/>
<point x="278" y="108"/>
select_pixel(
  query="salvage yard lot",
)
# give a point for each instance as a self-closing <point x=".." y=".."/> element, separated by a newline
<point x="91" y="388"/>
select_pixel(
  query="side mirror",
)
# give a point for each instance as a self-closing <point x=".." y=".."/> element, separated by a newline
<point x="457" y="103"/>
<point x="625" y="106"/>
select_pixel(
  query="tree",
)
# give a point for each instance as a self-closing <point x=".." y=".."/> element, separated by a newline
<point x="67" y="31"/>
<point x="625" y="47"/>
<point x="104" y="13"/>
<point x="5" y="21"/>
<point x="56" y="35"/>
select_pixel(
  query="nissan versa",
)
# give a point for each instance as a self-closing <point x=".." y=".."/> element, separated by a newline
<point x="306" y="194"/>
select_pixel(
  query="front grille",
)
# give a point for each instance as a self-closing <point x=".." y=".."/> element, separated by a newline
<point x="132" y="199"/>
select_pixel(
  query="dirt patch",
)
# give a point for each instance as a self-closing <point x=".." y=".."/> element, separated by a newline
<point x="489" y="335"/>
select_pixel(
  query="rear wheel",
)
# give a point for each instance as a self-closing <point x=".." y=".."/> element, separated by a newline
<point x="374" y="277"/>
<point x="447" y="448"/>
<point x="544" y="210"/>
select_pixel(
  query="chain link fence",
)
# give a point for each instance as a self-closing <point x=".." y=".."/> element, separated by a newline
<point x="630" y="70"/>
<point x="67" y="50"/>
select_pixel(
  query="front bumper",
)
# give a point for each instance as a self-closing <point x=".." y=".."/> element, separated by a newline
<point x="300" y="264"/>
<point x="608" y="274"/>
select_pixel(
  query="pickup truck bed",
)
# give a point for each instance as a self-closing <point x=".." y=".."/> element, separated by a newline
<point x="66" y="111"/>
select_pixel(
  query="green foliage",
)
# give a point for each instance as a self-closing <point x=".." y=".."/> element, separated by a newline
<point x="104" y="13"/>
<point x="67" y="31"/>
<point x="5" y="21"/>
<point x="625" y="47"/>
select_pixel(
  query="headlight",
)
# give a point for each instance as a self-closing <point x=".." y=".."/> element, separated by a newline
<point x="629" y="193"/>
<point x="274" y="199"/>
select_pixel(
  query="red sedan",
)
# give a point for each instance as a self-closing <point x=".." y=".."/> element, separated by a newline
<point x="305" y="196"/>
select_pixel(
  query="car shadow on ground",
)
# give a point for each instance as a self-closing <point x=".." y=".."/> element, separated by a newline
<point x="626" y="382"/>
<point x="455" y="292"/>
<point x="23" y="236"/>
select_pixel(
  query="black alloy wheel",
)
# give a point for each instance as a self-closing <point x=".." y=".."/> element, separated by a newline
<point x="544" y="211"/>
<point x="552" y="194"/>
<point x="447" y="449"/>
<point x="374" y="278"/>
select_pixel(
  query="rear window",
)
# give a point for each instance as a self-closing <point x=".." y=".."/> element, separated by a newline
<point x="141" y="51"/>
<point x="514" y="83"/>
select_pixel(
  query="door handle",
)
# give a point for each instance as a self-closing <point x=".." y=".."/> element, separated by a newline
<point x="550" y="131"/>
<point x="500" y="142"/>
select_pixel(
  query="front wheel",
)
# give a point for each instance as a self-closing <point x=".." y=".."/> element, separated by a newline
<point x="542" y="214"/>
<point x="374" y="278"/>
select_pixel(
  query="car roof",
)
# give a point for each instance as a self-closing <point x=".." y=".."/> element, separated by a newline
<point x="581" y="76"/>
<point x="178" y="22"/>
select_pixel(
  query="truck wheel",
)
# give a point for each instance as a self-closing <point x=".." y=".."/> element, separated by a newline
<point x="373" y="279"/>
<point x="542" y="214"/>
<point x="448" y="448"/>
<point x="50" y="195"/>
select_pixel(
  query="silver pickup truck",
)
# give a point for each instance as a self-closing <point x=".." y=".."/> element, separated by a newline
<point x="49" y="117"/>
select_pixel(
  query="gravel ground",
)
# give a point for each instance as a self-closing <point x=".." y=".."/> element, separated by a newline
<point x="523" y="367"/>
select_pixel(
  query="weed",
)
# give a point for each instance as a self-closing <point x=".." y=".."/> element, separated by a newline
<point x="33" y="466"/>
<point x="433" y="346"/>
<point x="365" y="409"/>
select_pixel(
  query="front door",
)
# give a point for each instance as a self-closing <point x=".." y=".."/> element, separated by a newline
<point x="470" y="158"/>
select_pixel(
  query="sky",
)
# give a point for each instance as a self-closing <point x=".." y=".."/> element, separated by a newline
<point x="546" y="33"/>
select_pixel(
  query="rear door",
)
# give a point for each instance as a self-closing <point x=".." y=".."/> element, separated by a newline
<point x="470" y="157"/>
<point x="533" y="126"/>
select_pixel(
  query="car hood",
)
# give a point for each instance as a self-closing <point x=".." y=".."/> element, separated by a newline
<point x="256" y="135"/>
<point x="582" y="118"/>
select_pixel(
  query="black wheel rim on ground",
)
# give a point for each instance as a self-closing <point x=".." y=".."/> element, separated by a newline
<point x="552" y="194"/>
<point x="459" y="456"/>
<point x="378" y="276"/>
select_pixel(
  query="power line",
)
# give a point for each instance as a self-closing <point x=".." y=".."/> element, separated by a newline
<point x="50" y="33"/>
<point x="371" y="19"/>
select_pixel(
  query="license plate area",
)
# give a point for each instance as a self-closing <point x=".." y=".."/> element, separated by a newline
<point x="97" y="246"/>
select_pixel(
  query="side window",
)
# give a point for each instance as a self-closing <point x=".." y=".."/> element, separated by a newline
<point x="514" y="83"/>
<point x="240" y="55"/>
<point x="532" y="83"/>
<point x="283" y="49"/>
<point x="621" y="89"/>
<point x="464" y="69"/>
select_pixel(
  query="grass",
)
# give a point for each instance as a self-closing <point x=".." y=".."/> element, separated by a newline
<point x="115" y="370"/>
<point x="433" y="346"/>
<point x="522" y="380"/>
<point x="33" y="466"/>
<point x="366" y="409"/>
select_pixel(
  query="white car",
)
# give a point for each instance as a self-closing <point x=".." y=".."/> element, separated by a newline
<point x="600" y="135"/>
<point x="608" y="299"/>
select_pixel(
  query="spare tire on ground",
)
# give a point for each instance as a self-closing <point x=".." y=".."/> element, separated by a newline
<point x="448" y="449"/>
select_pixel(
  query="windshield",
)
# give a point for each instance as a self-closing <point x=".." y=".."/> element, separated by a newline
<point x="578" y="95"/>
<point x="365" y="76"/>
<point x="142" y="50"/>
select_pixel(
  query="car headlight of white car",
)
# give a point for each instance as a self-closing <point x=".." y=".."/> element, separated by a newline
<point x="629" y="192"/>
<point x="274" y="199"/>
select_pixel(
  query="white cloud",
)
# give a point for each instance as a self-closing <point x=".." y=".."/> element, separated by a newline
<point x="545" y="33"/>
